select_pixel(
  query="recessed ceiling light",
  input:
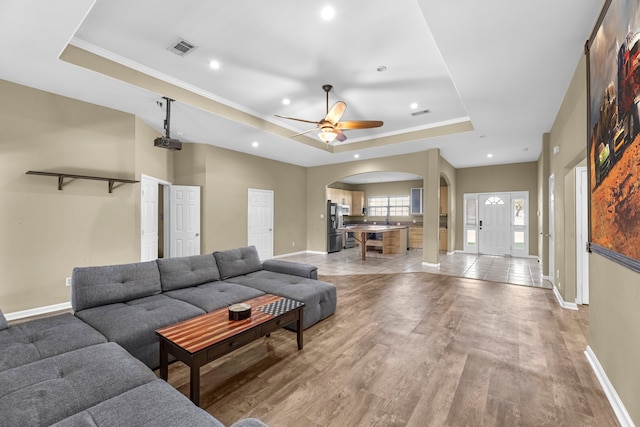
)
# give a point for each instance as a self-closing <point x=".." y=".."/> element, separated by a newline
<point x="414" y="105"/>
<point x="357" y="156"/>
<point x="489" y="155"/>
<point x="255" y="144"/>
<point x="381" y="68"/>
<point x="328" y="13"/>
<point x="286" y="101"/>
<point x="215" y="65"/>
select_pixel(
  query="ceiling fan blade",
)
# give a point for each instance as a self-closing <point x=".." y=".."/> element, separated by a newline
<point x="299" y="120"/>
<point x="341" y="136"/>
<point x="336" y="112"/>
<point x="359" y="124"/>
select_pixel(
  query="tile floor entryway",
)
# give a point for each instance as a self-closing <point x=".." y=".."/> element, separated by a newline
<point x="518" y="271"/>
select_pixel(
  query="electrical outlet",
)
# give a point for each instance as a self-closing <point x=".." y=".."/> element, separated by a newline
<point x="293" y="243"/>
<point x="67" y="281"/>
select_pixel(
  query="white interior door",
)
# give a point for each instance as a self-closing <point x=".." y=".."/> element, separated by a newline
<point x="582" y="235"/>
<point x="184" y="230"/>
<point x="552" y="213"/>
<point x="148" y="219"/>
<point x="260" y="220"/>
<point x="494" y="223"/>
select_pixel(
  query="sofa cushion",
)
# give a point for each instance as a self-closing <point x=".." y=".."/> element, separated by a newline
<point x="155" y="404"/>
<point x="183" y="272"/>
<point x="108" y="284"/>
<point x="133" y="324"/>
<point x="215" y="295"/>
<point x="319" y="297"/>
<point x="27" y="342"/>
<point x="3" y="321"/>
<point x="49" y="390"/>
<point x="236" y="262"/>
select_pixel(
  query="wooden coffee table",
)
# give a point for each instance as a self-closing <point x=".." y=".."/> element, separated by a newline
<point x="202" y="339"/>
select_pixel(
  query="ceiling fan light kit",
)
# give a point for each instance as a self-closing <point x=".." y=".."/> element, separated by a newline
<point x="330" y="126"/>
<point x="327" y="134"/>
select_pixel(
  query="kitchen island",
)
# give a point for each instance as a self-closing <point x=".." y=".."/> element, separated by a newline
<point x="394" y="237"/>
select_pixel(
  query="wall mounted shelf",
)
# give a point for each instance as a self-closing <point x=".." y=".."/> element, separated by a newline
<point x="62" y="176"/>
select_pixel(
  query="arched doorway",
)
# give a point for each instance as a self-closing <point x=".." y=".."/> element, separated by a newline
<point x="378" y="198"/>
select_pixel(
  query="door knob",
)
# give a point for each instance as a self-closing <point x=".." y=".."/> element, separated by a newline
<point x="197" y="234"/>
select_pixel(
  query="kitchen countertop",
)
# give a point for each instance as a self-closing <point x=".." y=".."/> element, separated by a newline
<point x="372" y="227"/>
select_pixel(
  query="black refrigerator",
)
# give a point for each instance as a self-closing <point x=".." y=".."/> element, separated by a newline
<point x="334" y="220"/>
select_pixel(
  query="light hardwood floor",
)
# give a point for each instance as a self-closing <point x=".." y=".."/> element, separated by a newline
<point x="416" y="349"/>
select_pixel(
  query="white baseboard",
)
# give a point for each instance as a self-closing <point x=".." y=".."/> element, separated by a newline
<point x="616" y="403"/>
<point x="562" y="302"/>
<point x="316" y="252"/>
<point x="428" y="264"/>
<point x="38" y="311"/>
<point x="290" y="254"/>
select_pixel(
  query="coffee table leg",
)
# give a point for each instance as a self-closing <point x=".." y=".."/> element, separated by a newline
<point x="299" y="327"/>
<point x="164" y="361"/>
<point x="194" y="386"/>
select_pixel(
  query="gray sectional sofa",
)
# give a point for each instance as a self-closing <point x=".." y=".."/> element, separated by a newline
<point x="127" y="303"/>
<point x="88" y="369"/>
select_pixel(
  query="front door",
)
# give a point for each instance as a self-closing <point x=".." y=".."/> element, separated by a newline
<point x="494" y="223"/>
<point x="260" y="220"/>
<point x="184" y="229"/>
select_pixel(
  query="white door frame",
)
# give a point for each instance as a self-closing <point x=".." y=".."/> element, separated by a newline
<point x="582" y="236"/>
<point x="165" y="211"/>
<point x="552" y="221"/>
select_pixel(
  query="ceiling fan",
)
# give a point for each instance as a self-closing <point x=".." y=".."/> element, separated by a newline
<point x="330" y="126"/>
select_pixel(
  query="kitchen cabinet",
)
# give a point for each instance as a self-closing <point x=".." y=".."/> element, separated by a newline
<point x="416" y="201"/>
<point x="347" y="197"/>
<point x="444" y="200"/>
<point x="415" y="237"/>
<point x="357" y="203"/>
<point x="443" y="239"/>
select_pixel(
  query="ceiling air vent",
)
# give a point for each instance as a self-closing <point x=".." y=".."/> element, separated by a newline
<point x="418" y="113"/>
<point x="182" y="47"/>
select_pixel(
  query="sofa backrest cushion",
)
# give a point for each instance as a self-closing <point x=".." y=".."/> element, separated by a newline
<point x="184" y="272"/>
<point x="3" y="321"/>
<point x="109" y="284"/>
<point x="236" y="262"/>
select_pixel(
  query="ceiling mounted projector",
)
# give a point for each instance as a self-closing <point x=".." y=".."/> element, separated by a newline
<point x="166" y="141"/>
